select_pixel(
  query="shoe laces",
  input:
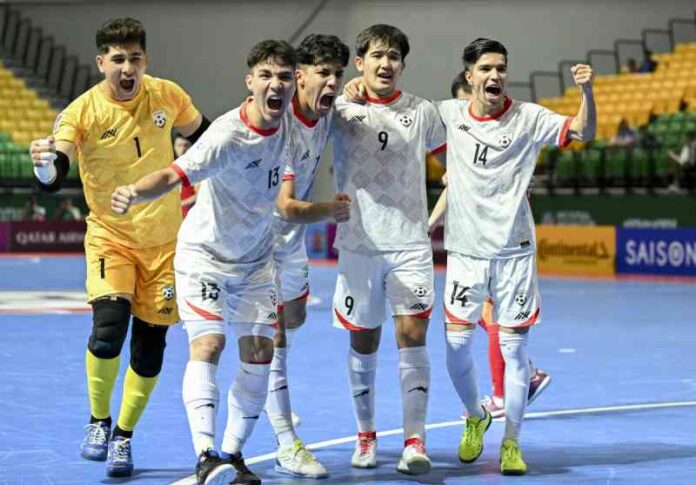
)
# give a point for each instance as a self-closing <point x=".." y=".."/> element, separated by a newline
<point x="365" y="445"/>
<point x="513" y="452"/>
<point x="121" y="449"/>
<point x="302" y="454"/>
<point x="97" y="433"/>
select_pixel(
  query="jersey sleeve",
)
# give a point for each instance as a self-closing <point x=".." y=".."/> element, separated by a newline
<point x="68" y="124"/>
<point x="436" y="136"/>
<point x="291" y="156"/>
<point x="205" y="158"/>
<point x="551" y="128"/>
<point x="181" y="103"/>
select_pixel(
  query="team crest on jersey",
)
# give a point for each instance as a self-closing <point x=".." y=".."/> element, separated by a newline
<point x="520" y="299"/>
<point x="160" y="118"/>
<point x="420" y="291"/>
<point x="406" y="120"/>
<point x="168" y="292"/>
<point x="504" y="140"/>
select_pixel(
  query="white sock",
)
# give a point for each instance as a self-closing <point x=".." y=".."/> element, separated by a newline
<point x="517" y="375"/>
<point x="245" y="401"/>
<point x="201" y="398"/>
<point x="462" y="370"/>
<point x="362" y="370"/>
<point x="414" y="374"/>
<point x="278" y="402"/>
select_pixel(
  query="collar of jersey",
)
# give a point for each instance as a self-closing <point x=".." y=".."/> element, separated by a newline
<point x="255" y="129"/>
<point x="495" y="116"/>
<point x="394" y="96"/>
<point x="298" y="114"/>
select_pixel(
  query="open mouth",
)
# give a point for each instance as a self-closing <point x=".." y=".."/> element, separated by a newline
<point x="494" y="89"/>
<point x="274" y="102"/>
<point x="127" y="84"/>
<point x="326" y="101"/>
<point x="386" y="76"/>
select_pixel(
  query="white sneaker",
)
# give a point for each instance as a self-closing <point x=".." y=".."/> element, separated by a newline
<point x="298" y="462"/>
<point x="365" y="455"/>
<point x="414" y="460"/>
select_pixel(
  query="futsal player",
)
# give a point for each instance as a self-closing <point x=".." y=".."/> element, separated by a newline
<point x="384" y="250"/>
<point x="493" y="143"/>
<point x="321" y="61"/>
<point x="120" y="130"/>
<point x="224" y="261"/>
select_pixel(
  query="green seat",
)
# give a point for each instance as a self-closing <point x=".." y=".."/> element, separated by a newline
<point x="616" y="164"/>
<point x="590" y="165"/>
<point x="679" y="117"/>
<point x="639" y="166"/>
<point x="74" y="173"/>
<point x="565" y="168"/>
<point x="673" y="140"/>
<point x="662" y="165"/>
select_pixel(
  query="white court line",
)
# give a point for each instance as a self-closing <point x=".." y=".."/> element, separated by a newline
<point x="191" y="480"/>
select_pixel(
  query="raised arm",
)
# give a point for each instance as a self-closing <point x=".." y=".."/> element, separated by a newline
<point x="584" y="125"/>
<point x="304" y="212"/>
<point x="51" y="161"/>
<point x="149" y="187"/>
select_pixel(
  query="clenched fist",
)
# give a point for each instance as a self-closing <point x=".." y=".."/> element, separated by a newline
<point x="340" y="209"/>
<point x="123" y="198"/>
<point x="582" y="75"/>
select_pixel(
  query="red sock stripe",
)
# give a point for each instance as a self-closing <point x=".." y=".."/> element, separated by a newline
<point x="413" y="441"/>
<point x="370" y="435"/>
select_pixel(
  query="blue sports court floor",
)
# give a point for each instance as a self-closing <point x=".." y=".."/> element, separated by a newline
<point x="621" y="407"/>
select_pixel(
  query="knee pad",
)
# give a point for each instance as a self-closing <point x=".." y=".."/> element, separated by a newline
<point x="109" y="327"/>
<point x="147" y="348"/>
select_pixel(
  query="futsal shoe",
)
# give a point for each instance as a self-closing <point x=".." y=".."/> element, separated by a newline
<point x="539" y="381"/>
<point x="365" y="454"/>
<point x="119" y="462"/>
<point x="298" y="462"/>
<point x="471" y="445"/>
<point x="511" y="462"/>
<point x="414" y="460"/>
<point x="244" y="475"/>
<point x="213" y="470"/>
<point x="493" y="404"/>
<point x="95" y="444"/>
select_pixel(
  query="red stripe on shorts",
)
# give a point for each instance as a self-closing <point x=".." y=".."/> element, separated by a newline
<point x="204" y="313"/>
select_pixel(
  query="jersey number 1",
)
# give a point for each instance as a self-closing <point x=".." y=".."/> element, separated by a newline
<point x="137" y="147"/>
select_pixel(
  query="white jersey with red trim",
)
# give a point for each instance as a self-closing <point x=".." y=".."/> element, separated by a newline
<point x="310" y="141"/>
<point x="240" y="167"/>
<point x="379" y="160"/>
<point x="490" y="163"/>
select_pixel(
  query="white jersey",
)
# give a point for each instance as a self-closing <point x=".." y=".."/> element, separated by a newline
<point x="241" y="168"/>
<point x="490" y="163"/>
<point x="379" y="160"/>
<point x="311" y="138"/>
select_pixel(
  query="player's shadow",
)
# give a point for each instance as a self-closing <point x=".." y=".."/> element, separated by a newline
<point x="168" y="474"/>
<point x="541" y="462"/>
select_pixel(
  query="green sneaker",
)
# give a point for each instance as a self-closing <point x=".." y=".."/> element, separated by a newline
<point x="511" y="462"/>
<point x="471" y="445"/>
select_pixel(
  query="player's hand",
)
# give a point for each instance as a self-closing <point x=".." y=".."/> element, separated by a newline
<point x="43" y="151"/>
<point x="340" y="209"/>
<point x="123" y="198"/>
<point x="354" y="91"/>
<point x="583" y="75"/>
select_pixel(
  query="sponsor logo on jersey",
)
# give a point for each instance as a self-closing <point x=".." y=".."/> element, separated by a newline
<point x="254" y="163"/>
<point x="272" y="316"/>
<point x="420" y="291"/>
<point x="168" y="292"/>
<point x="305" y="156"/>
<point x="357" y="119"/>
<point x="406" y="120"/>
<point x="160" y="118"/>
<point x="522" y="316"/>
<point x="420" y="307"/>
<point x="464" y="127"/>
<point x="520" y="299"/>
<point x="108" y="134"/>
<point x="165" y="311"/>
<point x="504" y="140"/>
<point x="422" y="389"/>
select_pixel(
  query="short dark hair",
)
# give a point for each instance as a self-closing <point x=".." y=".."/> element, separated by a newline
<point x="481" y="46"/>
<point x="277" y="51"/>
<point x="458" y="83"/>
<point x="318" y="48"/>
<point x="120" y="31"/>
<point x="386" y="34"/>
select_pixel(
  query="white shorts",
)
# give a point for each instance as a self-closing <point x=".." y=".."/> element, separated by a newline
<point x="293" y="274"/>
<point x="511" y="283"/>
<point x="241" y="293"/>
<point x="366" y="282"/>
